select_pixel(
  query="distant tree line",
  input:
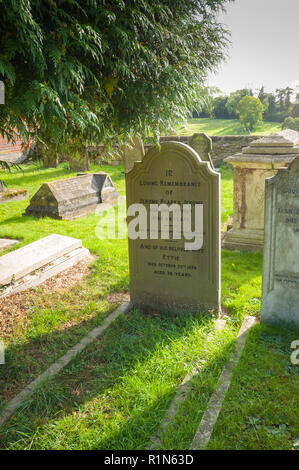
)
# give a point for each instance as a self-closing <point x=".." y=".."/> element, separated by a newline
<point x="281" y="106"/>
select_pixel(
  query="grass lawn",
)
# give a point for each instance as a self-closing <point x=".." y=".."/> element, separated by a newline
<point x="261" y="408"/>
<point x="224" y="127"/>
<point x="115" y="394"/>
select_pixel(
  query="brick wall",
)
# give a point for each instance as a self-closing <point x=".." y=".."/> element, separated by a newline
<point x="6" y="147"/>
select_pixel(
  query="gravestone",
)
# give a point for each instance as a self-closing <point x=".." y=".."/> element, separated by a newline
<point x="280" y="293"/>
<point x="17" y="264"/>
<point x="33" y="264"/>
<point x="74" y="197"/>
<point x="202" y="144"/>
<point x="165" y="274"/>
<point x="256" y="163"/>
<point x="132" y="152"/>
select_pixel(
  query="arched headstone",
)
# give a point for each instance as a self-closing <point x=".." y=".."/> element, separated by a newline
<point x="172" y="269"/>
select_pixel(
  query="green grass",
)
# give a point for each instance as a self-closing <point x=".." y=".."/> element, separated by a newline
<point x="57" y="322"/>
<point x="115" y="394"/>
<point x="261" y="408"/>
<point x="224" y="127"/>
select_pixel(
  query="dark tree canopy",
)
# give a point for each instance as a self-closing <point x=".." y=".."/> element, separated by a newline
<point x="101" y="69"/>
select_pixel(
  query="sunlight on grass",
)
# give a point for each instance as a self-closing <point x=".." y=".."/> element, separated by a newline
<point x="219" y="127"/>
<point x="115" y="394"/>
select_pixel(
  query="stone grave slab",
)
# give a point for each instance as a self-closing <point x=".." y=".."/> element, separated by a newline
<point x="164" y="273"/>
<point x="73" y="197"/>
<point x="25" y="260"/>
<point x="280" y="292"/>
<point x="7" y="243"/>
<point x="39" y="276"/>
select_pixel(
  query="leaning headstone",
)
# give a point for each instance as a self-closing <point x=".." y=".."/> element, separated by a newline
<point x="33" y="264"/>
<point x="202" y="144"/>
<point x="17" y="264"/>
<point x="133" y="152"/>
<point x="280" y="293"/>
<point x="74" y="197"/>
<point x="178" y="270"/>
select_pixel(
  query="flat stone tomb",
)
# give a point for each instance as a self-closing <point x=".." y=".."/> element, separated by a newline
<point x="73" y="197"/>
<point x="280" y="293"/>
<point x="17" y="264"/>
<point x="164" y="274"/>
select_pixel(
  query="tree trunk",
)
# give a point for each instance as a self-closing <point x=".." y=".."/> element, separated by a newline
<point x="50" y="160"/>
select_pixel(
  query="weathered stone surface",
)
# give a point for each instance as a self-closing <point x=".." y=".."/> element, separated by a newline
<point x="73" y="197"/>
<point x="280" y="293"/>
<point x="133" y="152"/>
<point x="202" y="144"/>
<point x="250" y="172"/>
<point x="163" y="274"/>
<point x="286" y="138"/>
<point x="39" y="276"/>
<point x="8" y="195"/>
<point x="27" y="259"/>
<point x="13" y="158"/>
<point x="271" y="150"/>
<point x="6" y="243"/>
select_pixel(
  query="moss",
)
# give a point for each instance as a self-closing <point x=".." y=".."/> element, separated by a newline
<point x="8" y="193"/>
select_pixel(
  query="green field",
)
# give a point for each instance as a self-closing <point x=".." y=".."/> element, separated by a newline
<point x="224" y="127"/>
<point x="115" y="394"/>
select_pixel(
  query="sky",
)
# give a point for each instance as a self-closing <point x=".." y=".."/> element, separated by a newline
<point x="265" y="45"/>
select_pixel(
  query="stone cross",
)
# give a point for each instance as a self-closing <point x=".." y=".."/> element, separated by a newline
<point x="202" y="144"/>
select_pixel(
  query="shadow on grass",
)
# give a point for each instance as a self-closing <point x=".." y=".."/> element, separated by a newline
<point x="37" y="174"/>
<point x="109" y="368"/>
